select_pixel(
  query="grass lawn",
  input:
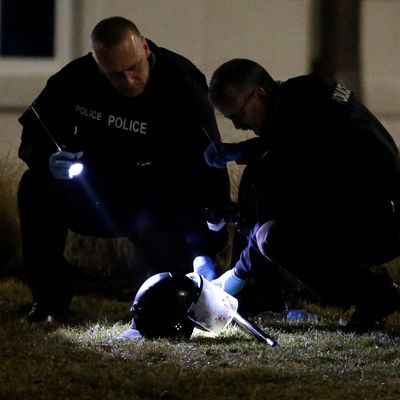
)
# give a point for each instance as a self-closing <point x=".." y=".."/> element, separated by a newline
<point x="82" y="360"/>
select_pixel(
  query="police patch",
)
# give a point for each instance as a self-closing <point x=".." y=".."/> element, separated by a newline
<point x="341" y="94"/>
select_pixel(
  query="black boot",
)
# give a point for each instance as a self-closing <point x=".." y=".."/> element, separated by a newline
<point x="52" y="294"/>
<point x="43" y="312"/>
<point x="379" y="297"/>
<point x="50" y="307"/>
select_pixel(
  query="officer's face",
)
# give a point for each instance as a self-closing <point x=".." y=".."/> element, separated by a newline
<point x="125" y="65"/>
<point x="246" y="112"/>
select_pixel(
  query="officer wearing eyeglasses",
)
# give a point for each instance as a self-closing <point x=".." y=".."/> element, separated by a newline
<point x="326" y="179"/>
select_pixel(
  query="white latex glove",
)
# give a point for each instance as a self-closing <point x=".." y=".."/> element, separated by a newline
<point x="204" y="266"/>
<point x="65" y="165"/>
<point x="229" y="282"/>
<point x="130" y="333"/>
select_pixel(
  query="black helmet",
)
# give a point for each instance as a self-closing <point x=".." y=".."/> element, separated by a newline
<point x="160" y="308"/>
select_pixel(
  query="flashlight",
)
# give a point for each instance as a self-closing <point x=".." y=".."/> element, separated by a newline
<point x="76" y="168"/>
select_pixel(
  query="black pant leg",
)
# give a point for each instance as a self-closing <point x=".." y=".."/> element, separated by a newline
<point x="43" y="230"/>
<point x="332" y="260"/>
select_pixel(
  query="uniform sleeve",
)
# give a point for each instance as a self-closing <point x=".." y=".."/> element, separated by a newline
<point x="367" y="147"/>
<point x="36" y="144"/>
<point x="377" y="152"/>
<point x="252" y="150"/>
<point x="35" y="148"/>
<point x="250" y="257"/>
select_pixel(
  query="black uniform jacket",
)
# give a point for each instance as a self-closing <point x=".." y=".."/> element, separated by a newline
<point x="323" y="157"/>
<point x="153" y="142"/>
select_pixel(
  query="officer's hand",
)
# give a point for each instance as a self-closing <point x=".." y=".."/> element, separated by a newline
<point x="61" y="162"/>
<point x="229" y="282"/>
<point x="204" y="266"/>
<point x="218" y="154"/>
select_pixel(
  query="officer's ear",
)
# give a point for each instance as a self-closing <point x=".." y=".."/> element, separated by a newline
<point x="146" y="47"/>
<point x="261" y="94"/>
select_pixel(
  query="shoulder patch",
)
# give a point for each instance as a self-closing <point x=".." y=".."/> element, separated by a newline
<point x="341" y="94"/>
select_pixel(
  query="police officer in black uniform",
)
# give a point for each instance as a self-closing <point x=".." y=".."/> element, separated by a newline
<point x="325" y="175"/>
<point x="137" y="117"/>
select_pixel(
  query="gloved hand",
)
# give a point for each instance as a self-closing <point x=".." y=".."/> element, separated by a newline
<point x="218" y="154"/>
<point x="229" y="282"/>
<point x="61" y="162"/>
<point x="215" y="218"/>
<point x="130" y="333"/>
<point x="204" y="266"/>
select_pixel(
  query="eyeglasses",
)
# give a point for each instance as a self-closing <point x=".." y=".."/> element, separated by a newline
<point x="240" y="111"/>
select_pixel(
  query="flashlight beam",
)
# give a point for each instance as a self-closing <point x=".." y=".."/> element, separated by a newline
<point x="209" y="139"/>
<point x="255" y="330"/>
<point x="45" y="128"/>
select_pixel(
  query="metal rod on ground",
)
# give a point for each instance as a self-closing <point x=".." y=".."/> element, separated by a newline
<point x="45" y="128"/>
<point x="255" y="330"/>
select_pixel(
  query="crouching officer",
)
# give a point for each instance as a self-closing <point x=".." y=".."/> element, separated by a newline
<point x="326" y="180"/>
<point x="134" y="115"/>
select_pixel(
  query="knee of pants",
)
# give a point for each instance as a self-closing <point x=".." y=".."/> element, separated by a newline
<point x="37" y="191"/>
<point x="294" y="239"/>
<point x="266" y="237"/>
<point x="282" y="242"/>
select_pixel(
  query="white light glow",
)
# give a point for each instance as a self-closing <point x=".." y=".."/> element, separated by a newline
<point x="75" y="169"/>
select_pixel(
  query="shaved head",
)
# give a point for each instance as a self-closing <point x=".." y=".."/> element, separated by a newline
<point x="112" y="31"/>
<point x="121" y="54"/>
